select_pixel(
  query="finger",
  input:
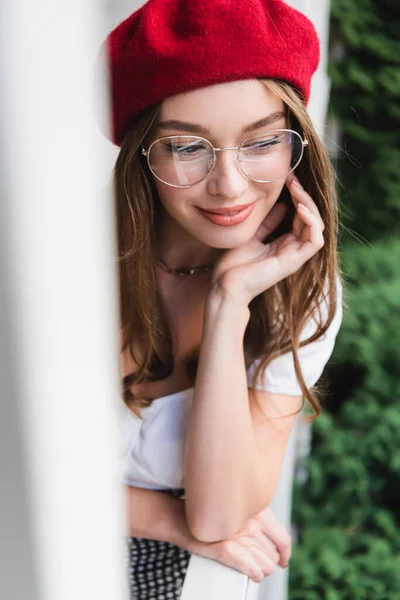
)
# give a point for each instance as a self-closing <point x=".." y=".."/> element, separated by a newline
<point x="300" y="195"/>
<point x="299" y="251"/>
<point x="271" y="221"/>
<point x="266" y="546"/>
<point x="315" y="237"/>
<point x="265" y="563"/>
<point x="253" y="570"/>
<point x="303" y="250"/>
<point x="245" y="563"/>
<point x="277" y="534"/>
<point x="297" y="225"/>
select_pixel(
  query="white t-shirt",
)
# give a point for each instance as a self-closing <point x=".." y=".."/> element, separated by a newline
<point x="152" y="450"/>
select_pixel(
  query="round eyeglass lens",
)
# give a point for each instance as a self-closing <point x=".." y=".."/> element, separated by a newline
<point x="271" y="155"/>
<point x="181" y="160"/>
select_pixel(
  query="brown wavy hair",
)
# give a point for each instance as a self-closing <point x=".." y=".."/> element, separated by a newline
<point x="277" y="316"/>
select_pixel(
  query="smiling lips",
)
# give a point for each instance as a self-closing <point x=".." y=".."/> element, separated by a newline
<point x="224" y="211"/>
<point x="227" y="217"/>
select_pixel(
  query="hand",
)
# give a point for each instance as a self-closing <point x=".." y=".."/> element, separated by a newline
<point x="255" y="550"/>
<point x="249" y="270"/>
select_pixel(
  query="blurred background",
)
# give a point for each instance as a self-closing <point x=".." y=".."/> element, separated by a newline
<point x="346" y="503"/>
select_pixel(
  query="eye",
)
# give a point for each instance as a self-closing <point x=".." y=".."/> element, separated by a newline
<point x="186" y="149"/>
<point x="267" y="143"/>
<point x="264" y="143"/>
<point x="190" y="152"/>
<point x="262" y="147"/>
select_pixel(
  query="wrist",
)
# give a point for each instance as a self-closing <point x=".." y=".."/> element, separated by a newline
<point x="220" y="303"/>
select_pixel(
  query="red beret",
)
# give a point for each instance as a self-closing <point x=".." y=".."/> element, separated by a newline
<point x="172" y="46"/>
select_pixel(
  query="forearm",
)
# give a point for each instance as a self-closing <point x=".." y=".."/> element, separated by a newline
<point x="157" y="516"/>
<point x="222" y="459"/>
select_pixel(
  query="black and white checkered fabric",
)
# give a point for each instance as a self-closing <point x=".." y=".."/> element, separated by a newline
<point x="157" y="569"/>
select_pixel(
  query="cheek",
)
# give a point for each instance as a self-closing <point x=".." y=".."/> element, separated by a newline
<point x="271" y="191"/>
<point x="179" y="200"/>
<point x="173" y="200"/>
<point x="166" y="195"/>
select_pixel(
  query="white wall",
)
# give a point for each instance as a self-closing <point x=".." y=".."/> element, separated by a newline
<point x="61" y="505"/>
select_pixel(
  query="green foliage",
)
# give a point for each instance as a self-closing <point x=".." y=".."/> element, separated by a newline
<point x="339" y="564"/>
<point x="348" y="511"/>
<point x="365" y="72"/>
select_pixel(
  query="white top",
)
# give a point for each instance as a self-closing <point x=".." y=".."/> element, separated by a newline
<point x="152" y="450"/>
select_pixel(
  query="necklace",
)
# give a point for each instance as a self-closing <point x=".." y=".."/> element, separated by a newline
<point x="185" y="270"/>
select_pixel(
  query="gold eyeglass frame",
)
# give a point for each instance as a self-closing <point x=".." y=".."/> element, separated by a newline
<point x="304" y="143"/>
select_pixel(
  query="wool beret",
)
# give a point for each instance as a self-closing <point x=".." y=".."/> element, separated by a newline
<point x="167" y="47"/>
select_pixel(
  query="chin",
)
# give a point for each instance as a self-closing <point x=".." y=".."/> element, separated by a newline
<point x="226" y="240"/>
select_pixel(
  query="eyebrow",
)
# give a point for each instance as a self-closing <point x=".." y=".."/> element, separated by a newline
<point x="195" y="127"/>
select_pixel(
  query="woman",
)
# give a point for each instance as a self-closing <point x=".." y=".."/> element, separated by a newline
<point x="230" y="294"/>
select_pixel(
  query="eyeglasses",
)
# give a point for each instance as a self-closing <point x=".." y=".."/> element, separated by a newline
<point x="185" y="160"/>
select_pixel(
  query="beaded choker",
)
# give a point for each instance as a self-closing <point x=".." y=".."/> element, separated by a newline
<point x="185" y="270"/>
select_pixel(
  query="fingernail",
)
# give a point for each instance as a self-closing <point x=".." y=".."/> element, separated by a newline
<point x="302" y="207"/>
<point x="297" y="183"/>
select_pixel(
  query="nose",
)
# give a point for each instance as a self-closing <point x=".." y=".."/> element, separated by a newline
<point x="225" y="179"/>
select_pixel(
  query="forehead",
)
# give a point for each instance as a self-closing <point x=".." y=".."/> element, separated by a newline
<point x="223" y="107"/>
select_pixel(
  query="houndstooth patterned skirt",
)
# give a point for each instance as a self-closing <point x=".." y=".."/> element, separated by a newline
<point x="157" y="569"/>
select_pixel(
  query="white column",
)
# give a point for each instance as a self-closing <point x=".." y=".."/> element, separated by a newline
<point x="61" y="505"/>
<point x="318" y="11"/>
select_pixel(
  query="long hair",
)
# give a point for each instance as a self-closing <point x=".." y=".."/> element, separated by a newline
<point x="277" y="316"/>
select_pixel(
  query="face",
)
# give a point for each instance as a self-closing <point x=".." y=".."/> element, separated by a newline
<point x="226" y="114"/>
